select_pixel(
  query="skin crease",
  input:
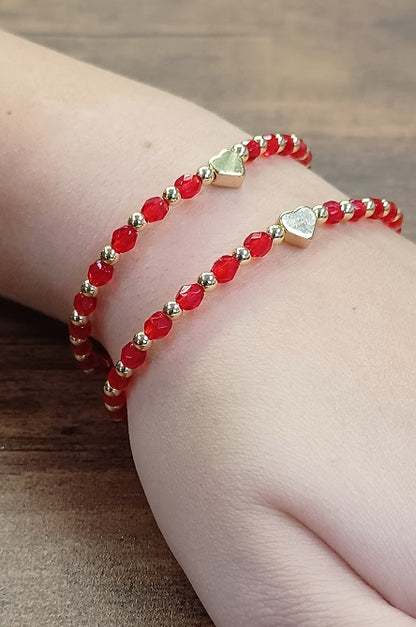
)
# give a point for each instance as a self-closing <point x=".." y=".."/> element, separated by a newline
<point x="273" y="430"/>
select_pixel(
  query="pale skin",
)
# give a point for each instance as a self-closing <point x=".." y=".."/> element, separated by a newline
<point x="273" y="431"/>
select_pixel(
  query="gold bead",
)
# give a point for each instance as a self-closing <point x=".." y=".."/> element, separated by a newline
<point x="370" y="207"/>
<point x="261" y="142"/>
<point x="321" y="213"/>
<point x="386" y="206"/>
<point x="241" y="151"/>
<point x="77" y="319"/>
<point x="281" y="142"/>
<point x="172" y="195"/>
<point x="110" y="391"/>
<point x="207" y="280"/>
<point x="109" y="255"/>
<point x="112" y="409"/>
<point x="242" y="254"/>
<point x="76" y="341"/>
<point x="137" y="220"/>
<point x="207" y="174"/>
<point x="82" y="357"/>
<point x="88" y="289"/>
<point x="277" y="232"/>
<point x="296" y="143"/>
<point x="142" y="341"/>
<point x="348" y="209"/>
<point x="122" y="370"/>
<point x="172" y="309"/>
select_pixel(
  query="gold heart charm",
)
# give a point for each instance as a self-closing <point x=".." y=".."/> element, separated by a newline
<point x="299" y="225"/>
<point x="228" y="167"/>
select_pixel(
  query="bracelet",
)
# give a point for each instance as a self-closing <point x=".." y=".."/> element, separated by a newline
<point x="296" y="227"/>
<point x="225" y="169"/>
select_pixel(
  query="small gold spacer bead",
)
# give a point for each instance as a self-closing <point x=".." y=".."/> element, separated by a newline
<point x="82" y="357"/>
<point x="172" y="195"/>
<point x="241" y="151"/>
<point x="369" y="207"/>
<point x="76" y="341"/>
<point x="277" y="232"/>
<point x="348" y="209"/>
<point x="88" y="289"/>
<point x="172" y="309"/>
<point x="242" y="254"/>
<point x="109" y="255"/>
<point x="296" y="143"/>
<point x="321" y="213"/>
<point x="77" y="319"/>
<point x="207" y="280"/>
<point x="112" y="409"/>
<point x="261" y="142"/>
<point x="122" y="370"/>
<point x="137" y="220"/>
<point x="386" y="206"/>
<point x="110" y="391"/>
<point x="206" y="174"/>
<point x="142" y="341"/>
<point x="281" y="142"/>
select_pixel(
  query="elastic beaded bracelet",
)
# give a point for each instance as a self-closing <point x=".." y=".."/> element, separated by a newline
<point x="296" y="227"/>
<point x="225" y="169"/>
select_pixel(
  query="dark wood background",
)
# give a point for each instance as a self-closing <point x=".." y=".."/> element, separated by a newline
<point x="78" y="542"/>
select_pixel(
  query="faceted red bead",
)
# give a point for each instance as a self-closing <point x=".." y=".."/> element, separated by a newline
<point x="258" y="243"/>
<point x="115" y="401"/>
<point x="225" y="268"/>
<point x="157" y="326"/>
<point x="117" y="382"/>
<point x="131" y="356"/>
<point x="81" y="349"/>
<point x="307" y="161"/>
<point x="155" y="209"/>
<point x="288" y="149"/>
<point x="188" y="185"/>
<point x="190" y="296"/>
<point x="100" y="273"/>
<point x="302" y="150"/>
<point x="334" y="210"/>
<point x="253" y="150"/>
<point x="81" y="332"/>
<point x="359" y="210"/>
<point x="391" y="214"/>
<point x="272" y="145"/>
<point x="379" y="210"/>
<point x="124" y="239"/>
<point x="84" y="304"/>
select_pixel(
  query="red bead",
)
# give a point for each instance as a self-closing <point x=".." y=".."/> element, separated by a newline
<point x="124" y="239"/>
<point x="188" y="185"/>
<point x="272" y="145"/>
<point x="288" y="149"/>
<point x="258" y="243"/>
<point x="82" y="349"/>
<point x="379" y="210"/>
<point x="115" y="401"/>
<point x="155" y="209"/>
<point x="225" y="268"/>
<point x="307" y="161"/>
<point x="190" y="296"/>
<point x="391" y="214"/>
<point x="359" y="210"/>
<point x="335" y="212"/>
<point x="302" y="150"/>
<point x="157" y="326"/>
<point x="253" y="150"/>
<point x="81" y="332"/>
<point x="131" y="356"/>
<point x="84" y="304"/>
<point x="100" y="273"/>
<point x="117" y="382"/>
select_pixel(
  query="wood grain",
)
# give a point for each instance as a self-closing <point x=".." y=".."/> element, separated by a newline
<point x="79" y="545"/>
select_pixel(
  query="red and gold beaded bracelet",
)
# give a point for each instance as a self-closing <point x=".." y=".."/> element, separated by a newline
<point x="295" y="227"/>
<point x="225" y="169"/>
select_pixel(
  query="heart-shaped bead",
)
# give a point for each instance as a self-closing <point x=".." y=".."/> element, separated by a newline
<point x="228" y="167"/>
<point x="299" y="225"/>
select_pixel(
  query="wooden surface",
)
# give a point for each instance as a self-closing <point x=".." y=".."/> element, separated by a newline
<point x="78" y="543"/>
